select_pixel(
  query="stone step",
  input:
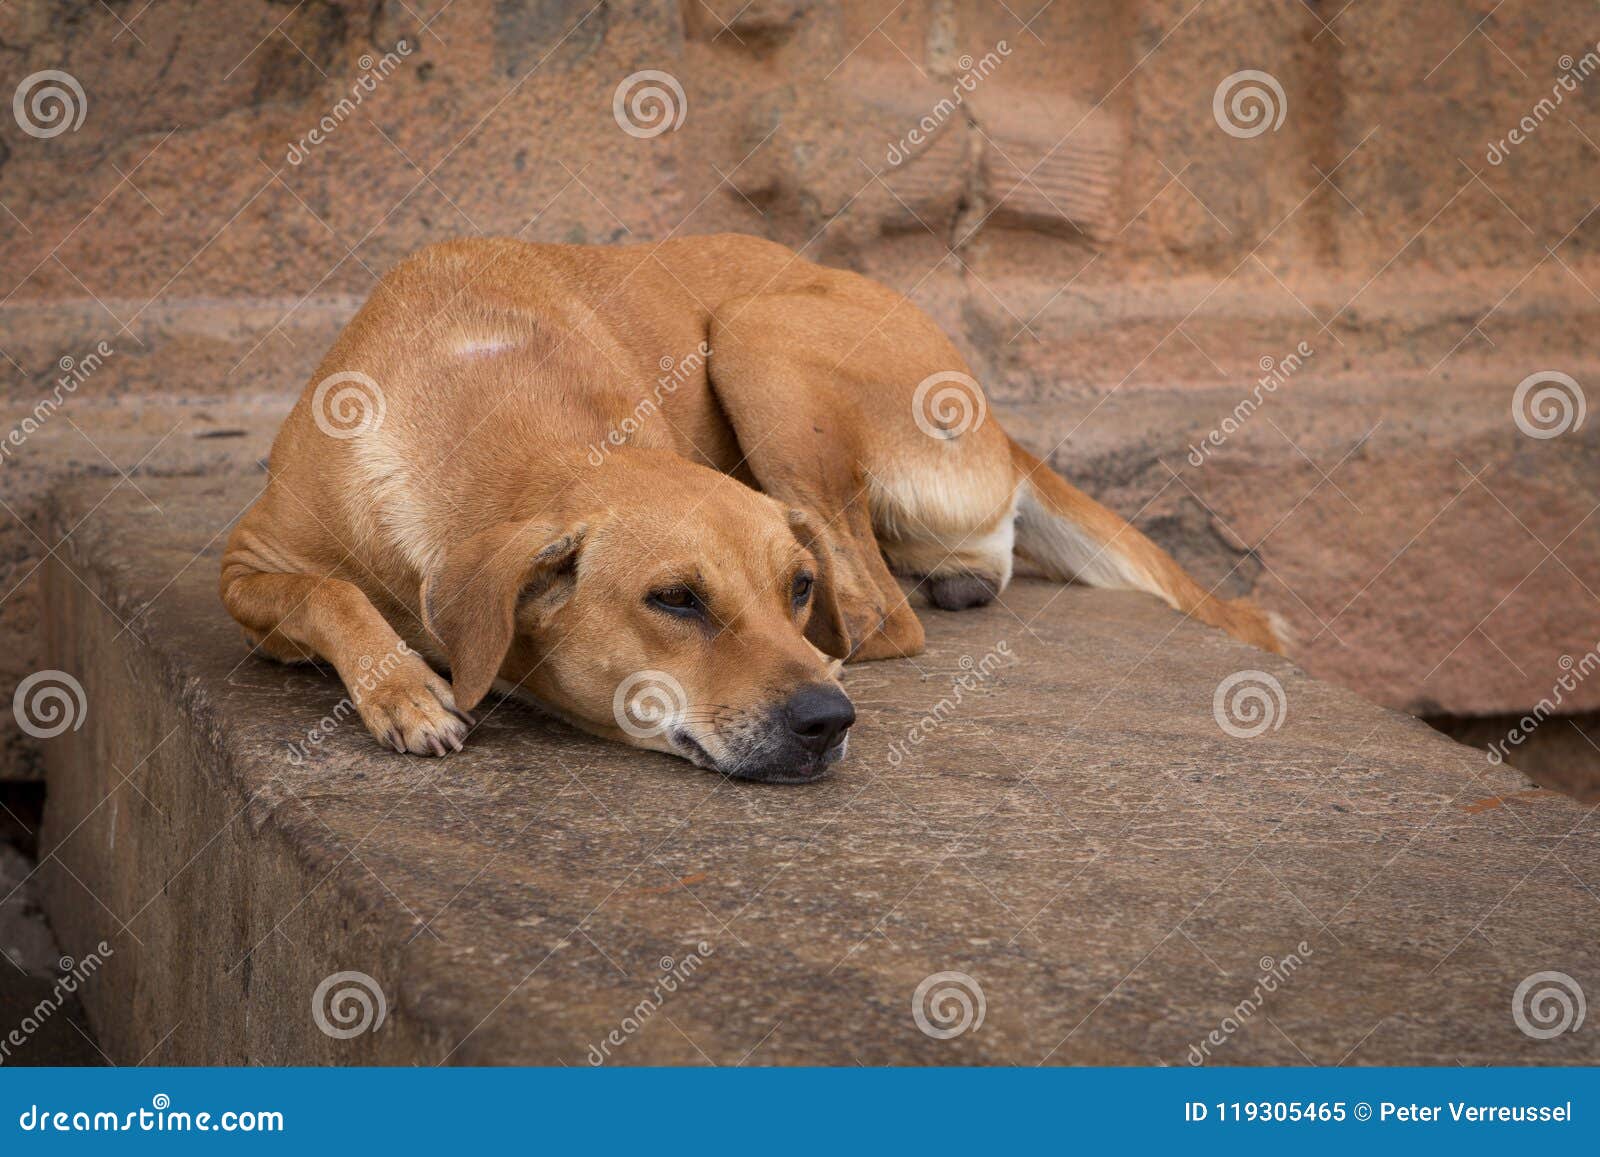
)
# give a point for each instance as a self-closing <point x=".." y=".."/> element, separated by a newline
<point x="1114" y="876"/>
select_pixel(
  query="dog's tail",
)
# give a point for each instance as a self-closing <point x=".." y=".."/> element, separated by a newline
<point x="1072" y="537"/>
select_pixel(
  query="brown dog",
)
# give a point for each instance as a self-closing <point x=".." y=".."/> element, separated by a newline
<point x="653" y="487"/>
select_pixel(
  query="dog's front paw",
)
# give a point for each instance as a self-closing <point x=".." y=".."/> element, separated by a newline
<point x="412" y="709"/>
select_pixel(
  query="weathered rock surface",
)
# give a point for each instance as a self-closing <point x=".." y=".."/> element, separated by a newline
<point x="1077" y="835"/>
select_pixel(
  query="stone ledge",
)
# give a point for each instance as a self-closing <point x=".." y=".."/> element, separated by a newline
<point x="1079" y="836"/>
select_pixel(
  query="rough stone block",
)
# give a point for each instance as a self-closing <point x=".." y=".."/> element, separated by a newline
<point x="1116" y="876"/>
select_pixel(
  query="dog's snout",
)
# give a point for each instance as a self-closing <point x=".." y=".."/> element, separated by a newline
<point x="818" y="716"/>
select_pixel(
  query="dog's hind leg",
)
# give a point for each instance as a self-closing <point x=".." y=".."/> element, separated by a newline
<point x="822" y="386"/>
<point x="297" y="616"/>
<point x="805" y="452"/>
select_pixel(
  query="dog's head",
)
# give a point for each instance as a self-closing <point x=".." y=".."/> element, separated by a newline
<point x="675" y="619"/>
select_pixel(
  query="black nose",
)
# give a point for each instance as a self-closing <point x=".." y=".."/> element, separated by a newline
<point x="818" y="716"/>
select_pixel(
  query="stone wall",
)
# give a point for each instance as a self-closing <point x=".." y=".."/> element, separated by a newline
<point x="1124" y="254"/>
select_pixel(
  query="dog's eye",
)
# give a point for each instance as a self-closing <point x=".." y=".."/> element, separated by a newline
<point x="802" y="589"/>
<point x="679" y="600"/>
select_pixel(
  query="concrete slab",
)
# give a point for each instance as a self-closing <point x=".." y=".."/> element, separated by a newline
<point x="1115" y="877"/>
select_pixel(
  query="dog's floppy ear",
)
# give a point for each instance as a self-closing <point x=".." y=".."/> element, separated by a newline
<point x="469" y="601"/>
<point x="827" y="629"/>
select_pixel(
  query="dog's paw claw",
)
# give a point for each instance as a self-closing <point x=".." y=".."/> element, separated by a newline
<point x="412" y="710"/>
